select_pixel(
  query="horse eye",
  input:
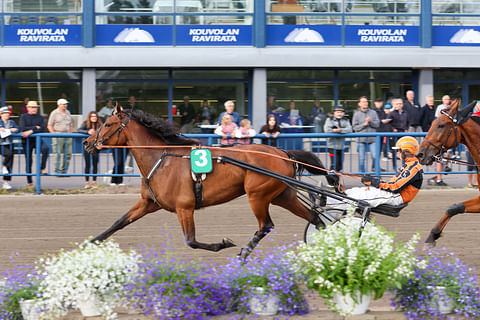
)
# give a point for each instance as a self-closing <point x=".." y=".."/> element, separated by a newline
<point x="441" y="126"/>
<point x="108" y="125"/>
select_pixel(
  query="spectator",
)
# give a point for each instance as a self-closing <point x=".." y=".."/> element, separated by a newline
<point x="428" y="113"/>
<point x="365" y="120"/>
<point x="271" y="130"/>
<point x="187" y="111"/>
<point x="107" y="110"/>
<point x="414" y="112"/>
<point x="378" y="103"/>
<point x="294" y="118"/>
<point x="24" y="109"/>
<point x="227" y="128"/>
<point x="131" y="103"/>
<point x="31" y="122"/>
<point x="70" y="106"/>
<point x="271" y="104"/>
<point x="60" y="121"/>
<point x="207" y="113"/>
<point x="317" y="116"/>
<point x="437" y="180"/>
<point x="472" y="177"/>
<point x="245" y="133"/>
<point x="90" y="126"/>
<point x="337" y="124"/>
<point x="387" y="142"/>
<point x="399" y="116"/>
<point x="230" y="110"/>
<point x="7" y="127"/>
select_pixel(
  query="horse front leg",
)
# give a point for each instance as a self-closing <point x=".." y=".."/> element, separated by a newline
<point x="185" y="217"/>
<point x="470" y="206"/>
<point x="140" y="209"/>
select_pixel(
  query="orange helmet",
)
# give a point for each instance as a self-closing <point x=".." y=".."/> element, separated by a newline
<point x="407" y="143"/>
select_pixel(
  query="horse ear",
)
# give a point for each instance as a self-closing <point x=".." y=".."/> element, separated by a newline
<point x="118" y="108"/>
<point x="454" y="107"/>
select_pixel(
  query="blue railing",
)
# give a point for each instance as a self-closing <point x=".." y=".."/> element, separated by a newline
<point x="315" y="142"/>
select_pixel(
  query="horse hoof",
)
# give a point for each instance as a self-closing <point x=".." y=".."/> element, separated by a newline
<point x="228" y="243"/>
<point x="431" y="240"/>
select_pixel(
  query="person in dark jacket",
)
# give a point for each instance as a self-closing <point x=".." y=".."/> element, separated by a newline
<point x="399" y="116"/>
<point x="428" y="113"/>
<point x="30" y="123"/>
<point x="90" y="126"/>
<point x="414" y="112"/>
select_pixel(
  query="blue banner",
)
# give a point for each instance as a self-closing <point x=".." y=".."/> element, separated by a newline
<point x="214" y="35"/>
<point x="382" y="35"/>
<point x="456" y="36"/>
<point x="43" y="35"/>
<point x="304" y="35"/>
<point x="133" y="35"/>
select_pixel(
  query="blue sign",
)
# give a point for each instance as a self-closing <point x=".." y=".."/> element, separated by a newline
<point x="133" y="35"/>
<point x="43" y="35"/>
<point x="214" y="35"/>
<point x="304" y="35"/>
<point x="382" y="35"/>
<point x="456" y="36"/>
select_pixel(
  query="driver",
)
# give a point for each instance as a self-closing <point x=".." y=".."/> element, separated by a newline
<point x="401" y="188"/>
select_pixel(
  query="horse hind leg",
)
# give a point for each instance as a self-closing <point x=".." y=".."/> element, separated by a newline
<point x="140" y="209"/>
<point x="288" y="200"/>
<point x="185" y="217"/>
<point x="265" y="224"/>
<point x="470" y="206"/>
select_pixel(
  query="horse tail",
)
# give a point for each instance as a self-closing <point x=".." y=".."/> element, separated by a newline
<point x="315" y="167"/>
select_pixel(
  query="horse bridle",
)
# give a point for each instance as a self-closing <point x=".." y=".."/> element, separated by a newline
<point x="116" y="131"/>
<point x="452" y="129"/>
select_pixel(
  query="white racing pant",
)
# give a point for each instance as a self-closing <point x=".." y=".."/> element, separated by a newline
<point x="372" y="195"/>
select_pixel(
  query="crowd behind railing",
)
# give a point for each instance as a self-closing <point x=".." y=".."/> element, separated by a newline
<point x="112" y="171"/>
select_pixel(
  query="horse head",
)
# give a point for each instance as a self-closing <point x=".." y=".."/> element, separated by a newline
<point x="110" y="133"/>
<point x="442" y="135"/>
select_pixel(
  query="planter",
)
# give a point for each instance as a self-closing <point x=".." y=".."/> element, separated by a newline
<point x="439" y="300"/>
<point x="262" y="303"/>
<point x="28" y="309"/>
<point x="345" y="304"/>
<point x="88" y="306"/>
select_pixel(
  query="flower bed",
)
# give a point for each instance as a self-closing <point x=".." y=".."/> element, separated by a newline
<point x="163" y="287"/>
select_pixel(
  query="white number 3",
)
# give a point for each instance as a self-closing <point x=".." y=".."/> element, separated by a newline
<point x="202" y="158"/>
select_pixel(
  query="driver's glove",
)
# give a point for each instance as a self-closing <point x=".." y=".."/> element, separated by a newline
<point x="370" y="181"/>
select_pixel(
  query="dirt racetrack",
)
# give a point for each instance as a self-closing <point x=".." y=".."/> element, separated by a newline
<point x="35" y="225"/>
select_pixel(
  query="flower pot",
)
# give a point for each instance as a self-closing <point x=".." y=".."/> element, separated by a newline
<point x="346" y="305"/>
<point x="262" y="303"/>
<point x="28" y="309"/>
<point x="88" y="306"/>
<point x="440" y="300"/>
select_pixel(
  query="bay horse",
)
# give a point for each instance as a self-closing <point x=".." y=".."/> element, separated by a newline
<point x="447" y="131"/>
<point x="167" y="179"/>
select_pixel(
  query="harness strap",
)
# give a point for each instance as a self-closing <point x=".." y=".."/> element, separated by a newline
<point x="147" y="179"/>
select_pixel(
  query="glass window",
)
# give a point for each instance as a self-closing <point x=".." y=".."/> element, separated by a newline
<point x="456" y="6"/>
<point x="303" y="93"/>
<point x="300" y="74"/>
<point x="151" y="96"/>
<point x="45" y="93"/>
<point x="42" y="19"/>
<point x="43" y="6"/>
<point x="454" y="90"/>
<point x="447" y="75"/>
<point x="472" y="75"/>
<point x="383" y="6"/>
<point x="210" y="74"/>
<point x="132" y="74"/>
<point x="43" y="74"/>
<point x="382" y="20"/>
<point x="455" y="20"/>
<point x="375" y="75"/>
<point x="349" y="92"/>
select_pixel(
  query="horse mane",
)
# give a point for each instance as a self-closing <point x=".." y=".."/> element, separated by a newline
<point x="160" y="128"/>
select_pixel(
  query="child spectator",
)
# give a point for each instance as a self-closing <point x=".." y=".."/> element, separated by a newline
<point x="228" y="127"/>
<point x="245" y="133"/>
